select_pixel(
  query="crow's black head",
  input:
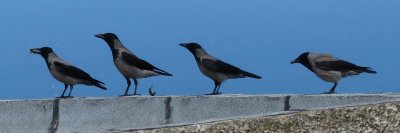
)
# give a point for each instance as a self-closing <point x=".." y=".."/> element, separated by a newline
<point x="45" y="51"/>
<point x="108" y="37"/>
<point x="303" y="58"/>
<point x="192" y="47"/>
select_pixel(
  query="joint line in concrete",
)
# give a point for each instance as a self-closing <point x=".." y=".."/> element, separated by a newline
<point x="56" y="116"/>
<point x="168" y="110"/>
<point x="287" y="103"/>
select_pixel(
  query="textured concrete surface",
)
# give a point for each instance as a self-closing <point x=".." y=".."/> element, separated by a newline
<point x="127" y="113"/>
<point x="378" y="118"/>
<point x="25" y="116"/>
<point x="308" y="102"/>
<point x="94" y="115"/>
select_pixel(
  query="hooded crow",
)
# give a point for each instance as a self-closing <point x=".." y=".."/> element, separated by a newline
<point x="65" y="72"/>
<point x="128" y="64"/>
<point x="214" y="68"/>
<point x="329" y="68"/>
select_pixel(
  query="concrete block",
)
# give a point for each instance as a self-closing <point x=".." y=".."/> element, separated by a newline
<point x="25" y="116"/>
<point x="103" y="114"/>
<point x="309" y="102"/>
<point x="197" y="109"/>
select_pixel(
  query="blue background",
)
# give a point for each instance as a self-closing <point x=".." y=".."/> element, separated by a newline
<point x="260" y="36"/>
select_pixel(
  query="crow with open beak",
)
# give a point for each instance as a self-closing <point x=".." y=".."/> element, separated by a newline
<point x="65" y="72"/>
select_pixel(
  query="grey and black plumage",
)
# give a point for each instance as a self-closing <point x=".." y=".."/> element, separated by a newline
<point x="128" y="64"/>
<point x="65" y="72"/>
<point x="329" y="68"/>
<point x="214" y="68"/>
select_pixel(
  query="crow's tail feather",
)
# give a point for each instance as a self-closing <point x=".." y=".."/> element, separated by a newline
<point x="368" y="70"/>
<point x="162" y="72"/>
<point x="98" y="84"/>
<point x="247" y="74"/>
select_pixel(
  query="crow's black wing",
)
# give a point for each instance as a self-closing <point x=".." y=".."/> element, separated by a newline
<point x="338" y="65"/>
<point x="72" y="71"/>
<point x="225" y="68"/>
<point x="141" y="64"/>
<point x="134" y="61"/>
<point x="220" y="66"/>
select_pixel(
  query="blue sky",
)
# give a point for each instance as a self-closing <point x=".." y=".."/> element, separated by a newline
<point x="260" y="36"/>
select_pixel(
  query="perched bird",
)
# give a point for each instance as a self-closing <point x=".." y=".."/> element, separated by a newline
<point x="128" y="64"/>
<point x="329" y="68"/>
<point x="214" y="68"/>
<point x="65" y="72"/>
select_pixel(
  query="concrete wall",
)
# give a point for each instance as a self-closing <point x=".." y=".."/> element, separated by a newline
<point x="122" y="113"/>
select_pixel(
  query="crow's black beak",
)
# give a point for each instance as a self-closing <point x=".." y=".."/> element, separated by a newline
<point x="35" y="51"/>
<point x="183" y="45"/>
<point x="99" y="35"/>
<point x="295" y="61"/>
